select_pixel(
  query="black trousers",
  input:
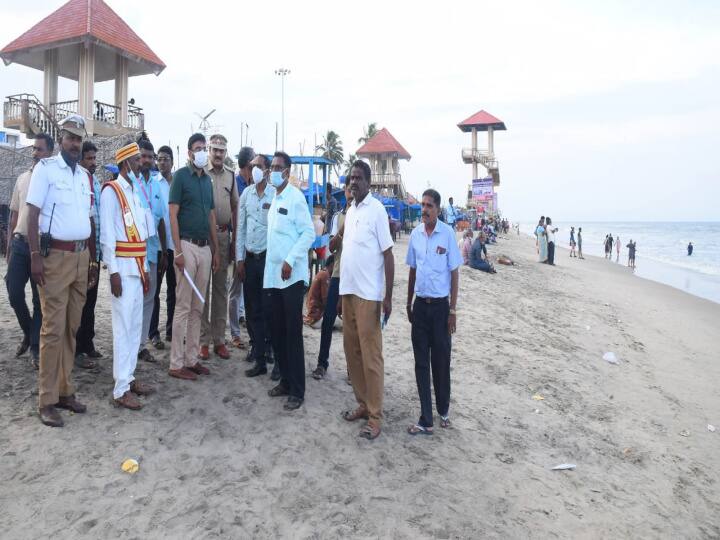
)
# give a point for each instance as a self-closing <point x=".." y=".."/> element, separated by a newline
<point x="432" y="344"/>
<point x="328" y="323"/>
<point x="86" y="331"/>
<point x="287" y="325"/>
<point x="170" y="284"/>
<point x="18" y="274"/>
<point x="257" y="308"/>
<point x="551" y="253"/>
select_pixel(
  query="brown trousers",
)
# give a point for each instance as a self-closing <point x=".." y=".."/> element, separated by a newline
<point x="215" y="312"/>
<point x="62" y="299"/>
<point x="362" y="340"/>
<point x="188" y="308"/>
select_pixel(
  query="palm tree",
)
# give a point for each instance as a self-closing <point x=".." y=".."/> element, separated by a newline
<point x="368" y="132"/>
<point x="331" y="148"/>
<point x="352" y="158"/>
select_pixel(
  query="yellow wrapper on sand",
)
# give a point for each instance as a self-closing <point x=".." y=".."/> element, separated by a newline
<point x="130" y="466"/>
<point x="538" y="397"/>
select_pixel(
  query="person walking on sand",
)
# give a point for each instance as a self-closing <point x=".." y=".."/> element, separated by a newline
<point x="367" y="268"/>
<point x="124" y="235"/>
<point x="632" y="246"/>
<point x="289" y="237"/>
<point x="541" y="240"/>
<point x="572" y="242"/>
<point x="194" y="234"/>
<point x="690" y="249"/>
<point x="434" y="259"/>
<point x="579" y="243"/>
<point x="617" y="248"/>
<point x="550" y="234"/>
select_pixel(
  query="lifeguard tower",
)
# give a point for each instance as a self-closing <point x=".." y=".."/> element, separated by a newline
<point x="384" y="152"/>
<point x="483" y="121"/>
<point x="87" y="42"/>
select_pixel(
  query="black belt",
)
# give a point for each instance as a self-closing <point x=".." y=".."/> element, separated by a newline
<point x="199" y="242"/>
<point x="431" y="300"/>
<point x="251" y="255"/>
<point x="18" y="236"/>
<point x="73" y="246"/>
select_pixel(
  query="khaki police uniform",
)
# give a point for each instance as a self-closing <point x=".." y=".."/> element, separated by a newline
<point x="64" y="199"/>
<point x="225" y="195"/>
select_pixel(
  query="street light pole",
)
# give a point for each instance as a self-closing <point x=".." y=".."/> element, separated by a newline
<point x="282" y="72"/>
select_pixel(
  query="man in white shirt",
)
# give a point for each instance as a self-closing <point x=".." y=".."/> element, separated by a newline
<point x="124" y="245"/>
<point x="367" y="262"/>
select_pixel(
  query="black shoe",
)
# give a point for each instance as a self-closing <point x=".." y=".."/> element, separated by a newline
<point x="146" y="356"/>
<point x="319" y="373"/>
<point x="158" y="343"/>
<point x="279" y="390"/>
<point x="23" y="347"/>
<point x="249" y="357"/>
<point x="293" y="403"/>
<point x="35" y="359"/>
<point x="94" y="354"/>
<point x="275" y="375"/>
<point x="255" y="371"/>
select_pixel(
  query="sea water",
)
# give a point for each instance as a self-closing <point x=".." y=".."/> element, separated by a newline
<point x="661" y="250"/>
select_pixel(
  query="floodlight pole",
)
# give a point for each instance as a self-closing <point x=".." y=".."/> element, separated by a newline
<point x="282" y="72"/>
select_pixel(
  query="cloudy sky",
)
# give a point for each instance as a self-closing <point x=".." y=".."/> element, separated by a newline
<point x="612" y="107"/>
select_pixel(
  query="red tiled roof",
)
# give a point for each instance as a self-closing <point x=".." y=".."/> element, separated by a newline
<point x="81" y="18"/>
<point x="383" y="143"/>
<point x="481" y="120"/>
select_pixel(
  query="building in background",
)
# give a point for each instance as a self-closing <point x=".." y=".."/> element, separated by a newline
<point x="383" y="151"/>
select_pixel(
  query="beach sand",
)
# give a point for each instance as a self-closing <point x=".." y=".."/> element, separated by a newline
<point x="220" y="459"/>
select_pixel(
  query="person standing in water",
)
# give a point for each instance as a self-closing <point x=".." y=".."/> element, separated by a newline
<point x="572" y="242"/>
<point x="690" y="249"/>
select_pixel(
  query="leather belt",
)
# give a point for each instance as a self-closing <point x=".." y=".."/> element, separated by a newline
<point x="199" y="242"/>
<point x="431" y="300"/>
<point x="251" y="255"/>
<point x="223" y="228"/>
<point x="69" y="245"/>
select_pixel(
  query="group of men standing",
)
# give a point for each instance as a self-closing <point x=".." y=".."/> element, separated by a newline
<point x="189" y="228"/>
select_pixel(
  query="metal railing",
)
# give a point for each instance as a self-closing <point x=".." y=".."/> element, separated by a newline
<point x="481" y="156"/>
<point x="28" y="109"/>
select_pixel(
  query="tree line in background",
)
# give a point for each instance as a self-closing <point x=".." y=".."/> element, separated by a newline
<point x="332" y="148"/>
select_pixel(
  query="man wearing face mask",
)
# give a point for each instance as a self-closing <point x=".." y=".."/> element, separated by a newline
<point x="62" y="243"/>
<point x="290" y="235"/>
<point x="147" y="187"/>
<point x="194" y="233"/>
<point x="236" y="304"/>
<point x="225" y="196"/>
<point x="124" y="240"/>
<point x="250" y="250"/>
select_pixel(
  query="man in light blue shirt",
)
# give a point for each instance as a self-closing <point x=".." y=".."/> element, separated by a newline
<point x="250" y="252"/>
<point x="451" y="214"/>
<point x="434" y="258"/>
<point x="151" y="199"/>
<point x="290" y="235"/>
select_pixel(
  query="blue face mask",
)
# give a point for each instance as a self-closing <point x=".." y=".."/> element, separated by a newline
<point x="276" y="178"/>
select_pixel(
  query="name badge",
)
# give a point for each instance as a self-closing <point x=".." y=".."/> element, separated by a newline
<point x="282" y="211"/>
<point x="266" y="206"/>
<point x="440" y="250"/>
<point x="128" y="218"/>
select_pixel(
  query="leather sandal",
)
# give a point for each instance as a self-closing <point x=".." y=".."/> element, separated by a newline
<point x="358" y="414"/>
<point x="370" y="432"/>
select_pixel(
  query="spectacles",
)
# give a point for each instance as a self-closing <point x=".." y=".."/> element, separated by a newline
<point x="277" y="168"/>
<point x="356" y="177"/>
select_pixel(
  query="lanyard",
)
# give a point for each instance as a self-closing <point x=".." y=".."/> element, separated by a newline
<point x="148" y="199"/>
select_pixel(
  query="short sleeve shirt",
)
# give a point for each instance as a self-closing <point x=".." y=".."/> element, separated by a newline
<point x="225" y="195"/>
<point x="434" y="258"/>
<point x="63" y="196"/>
<point x="192" y="191"/>
<point x="366" y="238"/>
<point x="17" y="202"/>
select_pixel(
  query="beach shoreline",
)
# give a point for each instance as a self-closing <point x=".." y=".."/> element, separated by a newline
<point x="219" y="458"/>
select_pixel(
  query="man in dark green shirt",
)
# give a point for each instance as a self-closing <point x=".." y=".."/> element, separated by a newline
<point x="193" y="227"/>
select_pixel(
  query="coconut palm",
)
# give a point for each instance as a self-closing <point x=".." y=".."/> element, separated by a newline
<point x="352" y="158"/>
<point x="368" y="132"/>
<point x="331" y="148"/>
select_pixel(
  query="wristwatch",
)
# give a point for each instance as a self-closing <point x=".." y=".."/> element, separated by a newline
<point x="452" y="312"/>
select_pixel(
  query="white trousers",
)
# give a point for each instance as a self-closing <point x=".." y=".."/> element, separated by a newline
<point x="127" y="321"/>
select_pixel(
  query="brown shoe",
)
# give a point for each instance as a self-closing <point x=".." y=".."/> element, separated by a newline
<point x="204" y="353"/>
<point x="222" y="351"/>
<point x="128" y="401"/>
<point x="182" y="373"/>
<point x="238" y="342"/>
<point x="71" y="404"/>
<point x="140" y="389"/>
<point x="50" y="417"/>
<point x="199" y="369"/>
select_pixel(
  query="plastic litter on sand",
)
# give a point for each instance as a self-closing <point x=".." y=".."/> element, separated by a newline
<point x="610" y="357"/>
<point x="564" y="467"/>
<point x="711" y="428"/>
<point x="130" y="466"/>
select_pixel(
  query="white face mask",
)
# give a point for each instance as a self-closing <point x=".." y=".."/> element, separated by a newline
<point x="257" y="174"/>
<point x="276" y="178"/>
<point x="201" y="158"/>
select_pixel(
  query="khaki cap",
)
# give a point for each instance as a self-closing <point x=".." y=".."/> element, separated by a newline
<point x="73" y="123"/>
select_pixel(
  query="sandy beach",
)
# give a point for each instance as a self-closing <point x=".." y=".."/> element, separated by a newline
<point x="220" y="459"/>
